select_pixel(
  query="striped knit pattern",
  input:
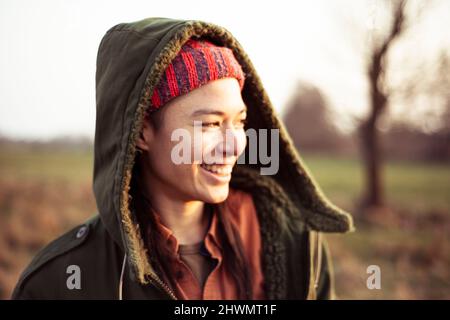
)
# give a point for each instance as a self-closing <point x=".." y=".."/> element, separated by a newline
<point x="197" y="63"/>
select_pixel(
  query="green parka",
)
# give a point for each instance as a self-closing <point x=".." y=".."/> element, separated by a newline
<point x="108" y="249"/>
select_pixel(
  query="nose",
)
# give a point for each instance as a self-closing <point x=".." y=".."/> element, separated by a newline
<point x="233" y="142"/>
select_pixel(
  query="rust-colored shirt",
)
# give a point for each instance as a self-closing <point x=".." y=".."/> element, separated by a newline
<point x="199" y="271"/>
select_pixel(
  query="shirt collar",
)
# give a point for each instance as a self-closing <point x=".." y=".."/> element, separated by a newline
<point x="168" y="236"/>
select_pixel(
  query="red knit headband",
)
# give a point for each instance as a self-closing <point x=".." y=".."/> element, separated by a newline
<point x="197" y="63"/>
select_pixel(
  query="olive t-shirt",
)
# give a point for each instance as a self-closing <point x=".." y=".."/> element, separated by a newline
<point x="198" y="260"/>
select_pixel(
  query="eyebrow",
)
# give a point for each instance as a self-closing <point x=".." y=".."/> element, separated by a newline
<point x="201" y="112"/>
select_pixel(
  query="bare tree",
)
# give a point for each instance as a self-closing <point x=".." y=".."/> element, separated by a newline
<point x="379" y="98"/>
<point x="310" y="123"/>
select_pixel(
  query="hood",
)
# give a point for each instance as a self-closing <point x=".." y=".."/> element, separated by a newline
<point x="131" y="59"/>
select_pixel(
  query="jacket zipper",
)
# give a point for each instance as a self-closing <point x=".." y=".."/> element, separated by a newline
<point x="164" y="287"/>
<point x="159" y="283"/>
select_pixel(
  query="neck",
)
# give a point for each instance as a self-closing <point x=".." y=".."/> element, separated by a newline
<point x="186" y="219"/>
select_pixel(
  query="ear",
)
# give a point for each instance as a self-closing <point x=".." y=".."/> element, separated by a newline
<point x="146" y="136"/>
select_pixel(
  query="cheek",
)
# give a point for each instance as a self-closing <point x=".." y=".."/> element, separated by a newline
<point x="208" y="143"/>
<point x="159" y="158"/>
<point x="161" y="152"/>
<point x="174" y="174"/>
<point x="241" y="142"/>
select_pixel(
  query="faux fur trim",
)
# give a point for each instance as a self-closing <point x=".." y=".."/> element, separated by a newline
<point x="137" y="253"/>
<point x="274" y="211"/>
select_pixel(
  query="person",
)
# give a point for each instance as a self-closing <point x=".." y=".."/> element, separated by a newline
<point x="182" y="217"/>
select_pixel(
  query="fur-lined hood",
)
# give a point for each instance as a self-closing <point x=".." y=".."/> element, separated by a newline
<point x="131" y="60"/>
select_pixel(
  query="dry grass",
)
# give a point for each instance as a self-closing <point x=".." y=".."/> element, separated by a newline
<point x="42" y="195"/>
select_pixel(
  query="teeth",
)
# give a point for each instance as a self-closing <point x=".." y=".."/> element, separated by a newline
<point x="222" y="169"/>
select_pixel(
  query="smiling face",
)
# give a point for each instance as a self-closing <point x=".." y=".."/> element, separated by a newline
<point x="219" y="107"/>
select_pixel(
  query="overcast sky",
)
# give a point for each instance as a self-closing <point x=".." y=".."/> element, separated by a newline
<point x="49" y="48"/>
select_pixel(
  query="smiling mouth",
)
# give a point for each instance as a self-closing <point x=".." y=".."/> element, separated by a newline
<point x="218" y="169"/>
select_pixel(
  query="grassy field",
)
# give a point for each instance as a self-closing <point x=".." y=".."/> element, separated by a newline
<point x="44" y="194"/>
<point x="410" y="241"/>
<point x="427" y="185"/>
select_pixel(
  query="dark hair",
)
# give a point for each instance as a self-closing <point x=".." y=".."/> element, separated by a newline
<point x="155" y="118"/>
<point x="161" y="257"/>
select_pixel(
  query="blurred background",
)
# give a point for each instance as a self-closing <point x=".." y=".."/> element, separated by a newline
<point x="362" y="86"/>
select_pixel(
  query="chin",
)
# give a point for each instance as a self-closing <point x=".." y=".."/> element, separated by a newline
<point x="216" y="194"/>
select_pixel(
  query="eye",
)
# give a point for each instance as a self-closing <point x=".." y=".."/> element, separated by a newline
<point x="211" y="124"/>
<point x="241" y="123"/>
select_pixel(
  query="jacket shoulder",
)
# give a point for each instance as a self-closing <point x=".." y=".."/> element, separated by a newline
<point x="61" y="246"/>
